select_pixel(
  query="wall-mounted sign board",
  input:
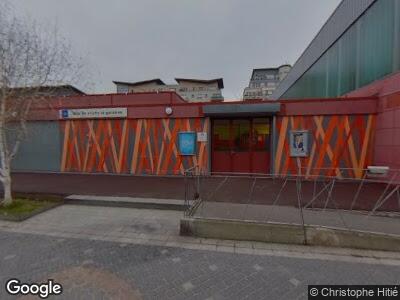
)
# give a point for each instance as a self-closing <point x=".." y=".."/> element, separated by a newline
<point x="202" y="137"/>
<point x="299" y="143"/>
<point x="94" y="113"/>
<point x="187" y="143"/>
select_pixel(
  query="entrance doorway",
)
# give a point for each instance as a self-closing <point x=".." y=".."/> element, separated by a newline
<point x="241" y="145"/>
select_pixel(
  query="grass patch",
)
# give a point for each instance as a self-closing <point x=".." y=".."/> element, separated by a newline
<point x="22" y="209"/>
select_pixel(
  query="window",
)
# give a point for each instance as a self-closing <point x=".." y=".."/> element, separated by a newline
<point x="221" y="136"/>
<point x="261" y="133"/>
<point x="241" y="134"/>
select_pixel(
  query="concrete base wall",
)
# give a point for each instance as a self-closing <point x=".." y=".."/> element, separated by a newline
<point x="287" y="234"/>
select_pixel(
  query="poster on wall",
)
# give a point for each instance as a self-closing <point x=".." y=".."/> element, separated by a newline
<point x="187" y="143"/>
<point x="202" y="137"/>
<point x="298" y="143"/>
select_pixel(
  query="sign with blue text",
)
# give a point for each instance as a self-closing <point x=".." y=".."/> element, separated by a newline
<point x="94" y="113"/>
<point x="187" y="143"/>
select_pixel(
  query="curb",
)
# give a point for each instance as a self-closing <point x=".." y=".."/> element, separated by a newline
<point x="288" y="234"/>
<point x="156" y="204"/>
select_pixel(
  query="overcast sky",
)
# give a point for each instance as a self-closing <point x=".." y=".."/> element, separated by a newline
<point x="130" y="40"/>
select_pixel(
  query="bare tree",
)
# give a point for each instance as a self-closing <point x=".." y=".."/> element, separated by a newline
<point x="31" y="57"/>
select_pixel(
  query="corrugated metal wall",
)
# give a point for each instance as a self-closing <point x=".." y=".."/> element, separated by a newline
<point x="309" y="77"/>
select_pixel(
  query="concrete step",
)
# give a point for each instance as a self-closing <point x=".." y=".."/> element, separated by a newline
<point x="130" y="202"/>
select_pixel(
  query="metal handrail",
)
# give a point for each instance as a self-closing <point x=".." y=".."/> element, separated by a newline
<point x="313" y="192"/>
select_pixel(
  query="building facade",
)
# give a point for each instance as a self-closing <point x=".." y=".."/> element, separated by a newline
<point x="192" y="90"/>
<point x="263" y="82"/>
<point x="83" y="134"/>
<point x="315" y="134"/>
<point x="359" y="43"/>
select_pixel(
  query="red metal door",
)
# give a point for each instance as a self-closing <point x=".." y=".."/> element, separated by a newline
<point x="241" y="145"/>
<point x="260" y="146"/>
<point x="240" y="149"/>
<point x="221" y="145"/>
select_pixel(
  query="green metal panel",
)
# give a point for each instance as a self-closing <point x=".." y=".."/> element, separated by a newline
<point x="332" y="71"/>
<point x="348" y="61"/>
<point x="41" y="149"/>
<point x="367" y="51"/>
<point x="376" y="41"/>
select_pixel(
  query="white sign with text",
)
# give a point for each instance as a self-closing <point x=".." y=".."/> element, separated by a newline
<point x="202" y="137"/>
<point x="94" y="113"/>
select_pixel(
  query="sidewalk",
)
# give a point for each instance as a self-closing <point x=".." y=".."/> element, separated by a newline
<point x="341" y="219"/>
<point x="161" y="228"/>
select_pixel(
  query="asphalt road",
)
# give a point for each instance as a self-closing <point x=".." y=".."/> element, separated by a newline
<point x="94" y="269"/>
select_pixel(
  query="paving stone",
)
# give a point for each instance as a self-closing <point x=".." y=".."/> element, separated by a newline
<point x="187" y="286"/>
<point x="11" y="256"/>
<point x="127" y="269"/>
<point x="176" y="259"/>
<point x="294" y="281"/>
<point x="213" y="268"/>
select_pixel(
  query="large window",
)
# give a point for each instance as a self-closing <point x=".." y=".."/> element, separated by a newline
<point x="261" y="134"/>
<point x="221" y="132"/>
<point x="241" y="134"/>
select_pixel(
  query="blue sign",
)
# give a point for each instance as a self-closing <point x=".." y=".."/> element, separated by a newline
<point x="64" y="113"/>
<point x="187" y="143"/>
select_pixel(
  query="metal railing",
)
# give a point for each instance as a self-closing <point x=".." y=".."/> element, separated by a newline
<point x="370" y="202"/>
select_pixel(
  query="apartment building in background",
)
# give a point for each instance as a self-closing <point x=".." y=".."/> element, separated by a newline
<point x="192" y="90"/>
<point x="264" y="81"/>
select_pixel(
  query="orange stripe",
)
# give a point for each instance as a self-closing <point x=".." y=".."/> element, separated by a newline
<point x="149" y="148"/>
<point x="76" y="145"/>
<point x="365" y="143"/>
<point x="65" y="145"/>
<point x="194" y="157"/>
<point x="171" y="145"/>
<point x="102" y="165"/>
<point x="122" y="148"/>
<point x="114" y="159"/>
<point x="337" y="154"/>
<point x="281" y="141"/>
<point x="135" y="158"/>
<point x="85" y="161"/>
<point x="164" y="125"/>
<point x="352" y="151"/>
